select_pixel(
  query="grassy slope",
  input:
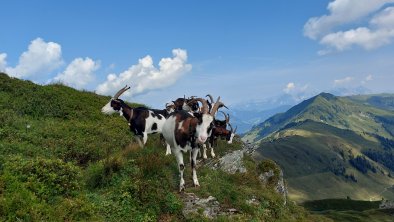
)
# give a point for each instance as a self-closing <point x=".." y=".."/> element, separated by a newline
<point x="310" y="154"/>
<point x="383" y="101"/>
<point x="340" y="112"/>
<point x="73" y="163"/>
<point x="346" y="210"/>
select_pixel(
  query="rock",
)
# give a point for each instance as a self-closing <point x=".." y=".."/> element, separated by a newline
<point x="386" y="204"/>
<point x="194" y="205"/>
<point x="272" y="176"/>
<point x="231" y="162"/>
<point x="249" y="148"/>
<point x="208" y="207"/>
<point x="253" y="201"/>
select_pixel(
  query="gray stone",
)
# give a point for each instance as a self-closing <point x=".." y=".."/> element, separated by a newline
<point x="231" y="162"/>
<point x="208" y="207"/>
<point x="386" y="204"/>
<point x="279" y="187"/>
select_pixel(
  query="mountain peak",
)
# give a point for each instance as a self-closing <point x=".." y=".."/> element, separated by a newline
<point x="327" y="96"/>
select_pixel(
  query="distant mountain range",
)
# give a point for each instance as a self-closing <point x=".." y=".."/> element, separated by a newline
<point x="247" y="114"/>
<point x="332" y="146"/>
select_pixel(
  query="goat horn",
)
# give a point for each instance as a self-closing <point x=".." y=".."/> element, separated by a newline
<point x="204" y="107"/>
<point x="216" y="107"/>
<point x="226" y="117"/>
<point x="222" y="105"/>
<point x="210" y="97"/>
<point x="121" y="91"/>
<point x="235" y="129"/>
<point x="231" y="128"/>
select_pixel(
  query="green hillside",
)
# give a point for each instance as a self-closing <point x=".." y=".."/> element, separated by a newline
<point x="331" y="147"/>
<point x="383" y="101"/>
<point x="62" y="160"/>
<point x="341" y="112"/>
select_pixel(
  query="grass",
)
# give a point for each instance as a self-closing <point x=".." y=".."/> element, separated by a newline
<point x="62" y="160"/>
<point x="340" y="112"/>
<point x="316" y="158"/>
<point x="348" y="210"/>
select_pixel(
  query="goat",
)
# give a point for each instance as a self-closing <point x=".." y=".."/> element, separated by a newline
<point x="182" y="131"/>
<point x="219" y="131"/>
<point x="142" y="121"/>
<point x="189" y="104"/>
<point x="212" y="103"/>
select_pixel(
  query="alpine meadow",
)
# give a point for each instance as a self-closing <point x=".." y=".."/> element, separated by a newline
<point x="172" y="111"/>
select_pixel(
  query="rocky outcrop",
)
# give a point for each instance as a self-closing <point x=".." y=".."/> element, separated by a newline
<point x="272" y="176"/>
<point x="386" y="204"/>
<point x="207" y="207"/>
<point x="231" y="162"/>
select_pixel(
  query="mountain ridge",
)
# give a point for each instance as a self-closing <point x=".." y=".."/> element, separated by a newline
<point x="329" y="138"/>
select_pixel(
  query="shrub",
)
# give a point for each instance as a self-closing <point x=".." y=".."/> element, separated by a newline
<point x="47" y="178"/>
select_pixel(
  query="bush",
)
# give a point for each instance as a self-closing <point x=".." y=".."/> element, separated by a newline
<point x="47" y="178"/>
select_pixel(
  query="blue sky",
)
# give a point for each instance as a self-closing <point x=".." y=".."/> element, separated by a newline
<point x="241" y="50"/>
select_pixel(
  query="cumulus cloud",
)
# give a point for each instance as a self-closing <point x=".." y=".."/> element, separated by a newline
<point x="292" y="88"/>
<point x="145" y="76"/>
<point x="341" y="12"/>
<point x="3" y="62"/>
<point x="327" y="28"/>
<point x="40" y="58"/>
<point x="363" y="37"/>
<point x="385" y="19"/>
<point x="343" y="81"/>
<point x="289" y="87"/>
<point x="79" y="72"/>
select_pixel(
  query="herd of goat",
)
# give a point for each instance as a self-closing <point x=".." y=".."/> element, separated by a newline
<point x="184" y="124"/>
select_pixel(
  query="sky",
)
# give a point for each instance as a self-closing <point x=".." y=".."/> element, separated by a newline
<point x="240" y="50"/>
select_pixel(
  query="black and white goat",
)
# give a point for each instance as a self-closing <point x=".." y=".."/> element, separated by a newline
<point x="142" y="121"/>
<point x="219" y="131"/>
<point x="190" y="104"/>
<point x="183" y="131"/>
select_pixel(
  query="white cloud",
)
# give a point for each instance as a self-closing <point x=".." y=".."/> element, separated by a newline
<point x="292" y="88"/>
<point x="289" y="87"/>
<point x="343" y="81"/>
<point x="3" y="62"/>
<point x="40" y="59"/>
<point x="145" y="76"/>
<point x="327" y="28"/>
<point x="341" y="12"/>
<point x="367" y="79"/>
<point x="385" y="19"/>
<point x="79" y="72"/>
<point x="362" y="37"/>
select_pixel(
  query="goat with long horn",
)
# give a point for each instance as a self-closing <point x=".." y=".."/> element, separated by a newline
<point x="183" y="131"/>
<point x="142" y="121"/>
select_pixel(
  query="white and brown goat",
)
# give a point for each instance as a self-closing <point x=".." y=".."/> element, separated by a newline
<point x="183" y="131"/>
<point x="142" y="121"/>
